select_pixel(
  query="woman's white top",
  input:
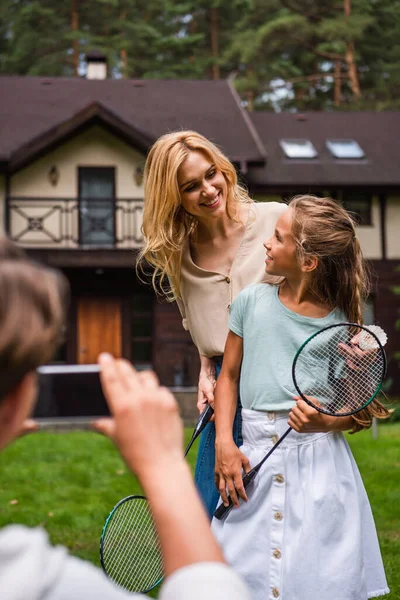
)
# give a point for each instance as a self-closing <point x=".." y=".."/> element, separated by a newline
<point x="206" y="296"/>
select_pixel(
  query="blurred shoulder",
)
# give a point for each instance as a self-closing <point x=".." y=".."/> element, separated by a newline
<point x="269" y="210"/>
<point x="25" y="550"/>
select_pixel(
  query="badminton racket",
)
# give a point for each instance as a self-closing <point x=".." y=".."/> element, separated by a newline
<point x="130" y="551"/>
<point x="338" y="371"/>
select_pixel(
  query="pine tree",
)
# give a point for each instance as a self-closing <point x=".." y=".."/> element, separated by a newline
<point x="32" y="37"/>
<point x="312" y="51"/>
<point x="281" y="54"/>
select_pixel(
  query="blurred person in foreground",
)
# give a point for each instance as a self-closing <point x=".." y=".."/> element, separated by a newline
<point x="147" y="430"/>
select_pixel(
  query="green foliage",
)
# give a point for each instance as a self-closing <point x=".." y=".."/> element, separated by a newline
<point x="378" y="461"/>
<point x="282" y="54"/>
<point x="300" y="43"/>
<point x="32" y="38"/>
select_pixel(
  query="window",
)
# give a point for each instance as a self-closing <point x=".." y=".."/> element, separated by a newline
<point x="359" y="204"/>
<point x="298" y="149"/>
<point x="97" y="206"/>
<point x="345" y="149"/>
<point x="142" y="327"/>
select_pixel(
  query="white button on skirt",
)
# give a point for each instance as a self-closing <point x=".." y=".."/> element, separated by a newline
<point x="307" y="531"/>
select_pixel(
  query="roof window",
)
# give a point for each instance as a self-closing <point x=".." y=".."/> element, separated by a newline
<point x="298" y="148"/>
<point x="345" y="149"/>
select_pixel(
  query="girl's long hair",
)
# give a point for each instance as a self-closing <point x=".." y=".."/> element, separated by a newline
<point x="166" y="225"/>
<point x="322" y="228"/>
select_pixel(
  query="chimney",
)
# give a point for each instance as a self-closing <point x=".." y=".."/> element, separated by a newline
<point x="96" y="65"/>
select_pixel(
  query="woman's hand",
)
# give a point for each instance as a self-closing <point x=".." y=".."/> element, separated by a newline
<point x="229" y="466"/>
<point x="303" y="418"/>
<point x="205" y="395"/>
<point x="207" y="383"/>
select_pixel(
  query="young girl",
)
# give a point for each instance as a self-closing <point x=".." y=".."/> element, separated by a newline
<point x="306" y="531"/>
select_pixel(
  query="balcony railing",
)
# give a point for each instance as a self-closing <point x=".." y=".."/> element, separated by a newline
<point x="75" y="223"/>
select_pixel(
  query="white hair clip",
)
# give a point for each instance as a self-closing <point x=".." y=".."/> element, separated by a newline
<point x="367" y="341"/>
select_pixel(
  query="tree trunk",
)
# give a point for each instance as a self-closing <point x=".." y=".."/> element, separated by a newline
<point x="338" y="84"/>
<point x="250" y="100"/>
<point x="75" y="43"/>
<point x="349" y="55"/>
<point x="124" y="64"/>
<point x="214" y="43"/>
<point x="124" y="54"/>
<point x="299" y="93"/>
<point x="250" y="95"/>
<point x="351" y="65"/>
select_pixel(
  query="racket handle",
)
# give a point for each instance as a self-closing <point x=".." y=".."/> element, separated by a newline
<point x="222" y="510"/>
<point x="203" y="419"/>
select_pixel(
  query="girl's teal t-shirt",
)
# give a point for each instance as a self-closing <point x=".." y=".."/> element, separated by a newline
<point x="272" y="334"/>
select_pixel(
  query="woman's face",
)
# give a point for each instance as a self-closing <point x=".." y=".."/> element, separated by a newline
<point x="203" y="188"/>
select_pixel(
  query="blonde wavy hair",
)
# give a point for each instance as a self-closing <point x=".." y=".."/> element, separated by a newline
<point x="166" y="225"/>
<point x="324" y="229"/>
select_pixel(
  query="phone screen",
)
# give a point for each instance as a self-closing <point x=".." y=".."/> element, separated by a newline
<point x="70" y="391"/>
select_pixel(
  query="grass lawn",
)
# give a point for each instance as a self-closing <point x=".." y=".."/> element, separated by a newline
<point x="69" y="482"/>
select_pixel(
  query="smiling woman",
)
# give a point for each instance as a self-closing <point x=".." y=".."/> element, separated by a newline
<point x="204" y="237"/>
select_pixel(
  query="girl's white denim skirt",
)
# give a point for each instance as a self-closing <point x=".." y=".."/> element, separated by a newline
<point x="307" y="531"/>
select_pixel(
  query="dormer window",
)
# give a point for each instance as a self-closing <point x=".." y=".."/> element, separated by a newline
<point x="298" y="148"/>
<point x="345" y="149"/>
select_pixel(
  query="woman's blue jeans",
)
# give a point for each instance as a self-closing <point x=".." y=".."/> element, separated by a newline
<point x="204" y="475"/>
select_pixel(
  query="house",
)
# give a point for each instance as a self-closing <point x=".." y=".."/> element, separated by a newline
<point x="71" y="162"/>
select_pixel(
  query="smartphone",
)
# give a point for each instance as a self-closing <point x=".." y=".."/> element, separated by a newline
<point x="70" y="391"/>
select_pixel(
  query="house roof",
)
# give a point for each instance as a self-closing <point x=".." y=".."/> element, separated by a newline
<point x="36" y="109"/>
<point x="38" y="113"/>
<point x="92" y="114"/>
<point x="377" y="133"/>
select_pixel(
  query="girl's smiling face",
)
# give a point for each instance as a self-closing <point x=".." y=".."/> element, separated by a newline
<point x="281" y="256"/>
<point x="203" y="188"/>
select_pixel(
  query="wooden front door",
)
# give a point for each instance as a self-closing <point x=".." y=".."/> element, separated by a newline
<point x="99" y="328"/>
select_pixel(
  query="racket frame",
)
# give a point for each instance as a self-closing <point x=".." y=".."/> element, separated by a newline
<point x="105" y="526"/>
<point x="308" y="340"/>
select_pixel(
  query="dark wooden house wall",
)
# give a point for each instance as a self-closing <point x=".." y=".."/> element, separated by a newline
<point x="175" y="357"/>
<point x="387" y="314"/>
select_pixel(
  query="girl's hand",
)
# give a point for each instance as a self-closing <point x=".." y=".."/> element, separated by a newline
<point x="229" y="466"/>
<point x="303" y="418"/>
<point x="357" y="359"/>
<point x="205" y="395"/>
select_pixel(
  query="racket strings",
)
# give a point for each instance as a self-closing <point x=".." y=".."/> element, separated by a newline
<point x="144" y="531"/>
<point x="131" y="549"/>
<point x="135" y="569"/>
<point x="332" y="369"/>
